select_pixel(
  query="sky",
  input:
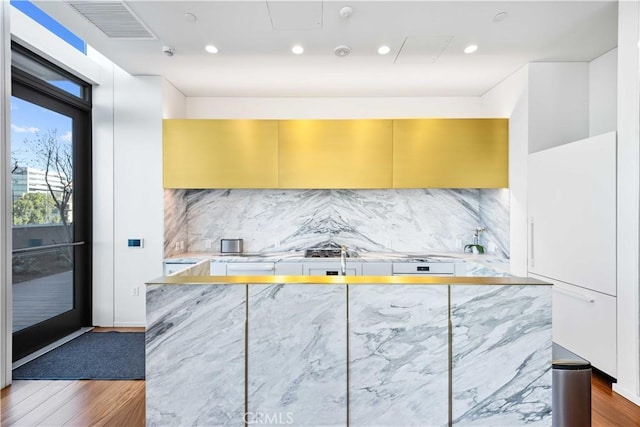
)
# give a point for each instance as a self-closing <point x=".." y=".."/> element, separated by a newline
<point x="29" y="121"/>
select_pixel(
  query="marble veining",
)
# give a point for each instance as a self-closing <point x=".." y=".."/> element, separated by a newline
<point x="297" y="354"/>
<point x="195" y="355"/>
<point x="398" y="355"/>
<point x="501" y="366"/>
<point x="412" y="221"/>
<point x="494" y="215"/>
<point x="175" y="222"/>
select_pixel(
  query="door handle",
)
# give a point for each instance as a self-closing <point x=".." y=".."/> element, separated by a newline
<point x="576" y="295"/>
<point x="531" y="243"/>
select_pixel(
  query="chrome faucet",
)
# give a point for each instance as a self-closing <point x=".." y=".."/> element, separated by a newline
<point x="476" y="235"/>
<point x="343" y="260"/>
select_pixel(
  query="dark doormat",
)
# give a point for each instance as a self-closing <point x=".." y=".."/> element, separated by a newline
<point x="91" y="356"/>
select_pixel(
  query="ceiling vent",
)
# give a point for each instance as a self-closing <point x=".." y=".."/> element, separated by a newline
<point x="114" y="18"/>
<point x="295" y="15"/>
<point x="422" y="49"/>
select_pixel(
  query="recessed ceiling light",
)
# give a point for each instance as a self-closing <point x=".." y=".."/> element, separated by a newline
<point x="297" y="49"/>
<point x="500" y="17"/>
<point x="211" y="48"/>
<point x="384" y="49"/>
<point x="190" y="17"/>
<point x="471" y="48"/>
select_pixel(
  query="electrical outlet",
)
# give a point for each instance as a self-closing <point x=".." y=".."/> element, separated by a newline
<point x="135" y="291"/>
<point x="207" y="243"/>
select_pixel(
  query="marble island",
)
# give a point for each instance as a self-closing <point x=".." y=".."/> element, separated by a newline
<point x="351" y="350"/>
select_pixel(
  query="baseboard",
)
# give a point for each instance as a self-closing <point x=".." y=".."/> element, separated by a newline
<point x="632" y="397"/>
<point x="129" y="324"/>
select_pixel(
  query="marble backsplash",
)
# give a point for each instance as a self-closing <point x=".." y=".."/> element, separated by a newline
<point x="413" y="221"/>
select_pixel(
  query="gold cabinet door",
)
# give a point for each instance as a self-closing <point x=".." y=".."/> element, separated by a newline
<point x="451" y="153"/>
<point x="335" y="153"/>
<point x="220" y="154"/>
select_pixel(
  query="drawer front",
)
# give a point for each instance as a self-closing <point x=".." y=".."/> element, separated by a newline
<point x="288" y="269"/>
<point x="218" y="269"/>
<point x="423" y="268"/>
<point x="584" y="322"/>
<point x="331" y="271"/>
<point x="377" y="269"/>
<point x="321" y="268"/>
<point x="250" y="269"/>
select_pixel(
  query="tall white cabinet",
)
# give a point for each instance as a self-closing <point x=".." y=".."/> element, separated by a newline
<point x="572" y="243"/>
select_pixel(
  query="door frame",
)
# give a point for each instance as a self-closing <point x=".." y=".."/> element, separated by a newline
<point x="43" y="94"/>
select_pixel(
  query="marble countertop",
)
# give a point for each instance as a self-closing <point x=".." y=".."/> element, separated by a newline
<point x="191" y="257"/>
<point x="346" y="280"/>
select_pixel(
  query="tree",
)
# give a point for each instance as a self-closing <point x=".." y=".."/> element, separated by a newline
<point x="56" y="159"/>
<point x="34" y="208"/>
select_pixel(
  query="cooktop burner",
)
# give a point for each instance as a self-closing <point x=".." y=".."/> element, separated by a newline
<point x="323" y="253"/>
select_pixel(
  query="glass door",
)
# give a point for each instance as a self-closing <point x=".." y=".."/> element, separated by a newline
<point x="50" y="185"/>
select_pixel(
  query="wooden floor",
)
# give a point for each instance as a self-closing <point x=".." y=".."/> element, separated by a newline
<point x="74" y="403"/>
<point x="609" y="409"/>
<point x="122" y="403"/>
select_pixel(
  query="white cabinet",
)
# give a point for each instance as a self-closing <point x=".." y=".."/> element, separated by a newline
<point x="572" y="213"/>
<point x="218" y="268"/>
<point x="376" y="269"/>
<point x="423" y="268"/>
<point x="242" y="268"/>
<point x="250" y="268"/>
<point x="572" y="243"/>
<point x="330" y="268"/>
<point x="585" y="323"/>
<point x="288" y="269"/>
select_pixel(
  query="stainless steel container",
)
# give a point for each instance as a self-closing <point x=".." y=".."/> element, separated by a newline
<point x="571" y="389"/>
<point x="231" y="246"/>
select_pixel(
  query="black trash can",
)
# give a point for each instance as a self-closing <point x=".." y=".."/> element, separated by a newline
<point x="571" y="389"/>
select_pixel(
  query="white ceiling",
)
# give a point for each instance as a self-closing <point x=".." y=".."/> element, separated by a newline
<point x="427" y="38"/>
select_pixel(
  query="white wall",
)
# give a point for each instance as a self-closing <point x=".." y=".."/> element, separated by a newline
<point x="128" y="194"/>
<point x="174" y="103"/>
<point x="628" y="303"/>
<point x="510" y="99"/>
<point x="332" y="108"/>
<point x="603" y="92"/>
<point x="558" y="103"/>
<point x="138" y="195"/>
<point x="103" y="193"/>
<point x="5" y="197"/>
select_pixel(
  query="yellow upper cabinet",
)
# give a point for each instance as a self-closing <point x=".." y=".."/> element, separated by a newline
<point x="335" y="153"/>
<point x="451" y="153"/>
<point x="220" y="153"/>
<point x="411" y="153"/>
